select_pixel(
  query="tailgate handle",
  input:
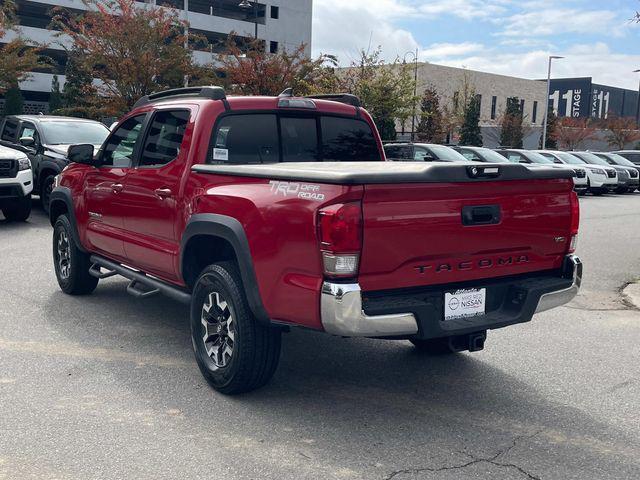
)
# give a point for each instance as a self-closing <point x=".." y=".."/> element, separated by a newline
<point x="481" y="215"/>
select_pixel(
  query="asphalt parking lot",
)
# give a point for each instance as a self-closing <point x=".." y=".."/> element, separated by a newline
<point x="106" y="386"/>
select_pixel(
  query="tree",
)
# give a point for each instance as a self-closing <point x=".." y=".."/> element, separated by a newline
<point x="17" y="57"/>
<point x="430" y="127"/>
<point x="621" y="131"/>
<point x="13" y="101"/>
<point x="132" y="50"/>
<point x="247" y="69"/>
<point x="385" y="89"/>
<point x="512" y="133"/>
<point x="55" y="98"/>
<point x="572" y="132"/>
<point x="470" y="133"/>
<point x="552" y="131"/>
<point x="79" y="95"/>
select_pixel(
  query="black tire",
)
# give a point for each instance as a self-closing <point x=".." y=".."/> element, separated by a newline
<point x="72" y="268"/>
<point x="18" y="210"/>
<point x="434" y="346"/>
<point x="597" y="191"/>
<point x="255" y="347"/>
<point x="46" y="186"/>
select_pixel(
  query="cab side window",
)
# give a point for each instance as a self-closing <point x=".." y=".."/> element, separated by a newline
<point x="246" y="139"/>
<point x="164" y="139"/>
<point x="470" y="155"/>
<point x="29" y="130"/>
<point x="399" y="152"/>
<point x="422" y="155"/>
<point x="516" y="158"/>
<point x="119" y="148"/>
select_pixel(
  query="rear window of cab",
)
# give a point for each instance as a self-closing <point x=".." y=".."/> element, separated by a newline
<point x="241" y="139"/>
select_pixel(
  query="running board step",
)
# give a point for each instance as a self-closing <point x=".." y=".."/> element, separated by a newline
<point x="95" y="271"/>
<point x="138" y="279"/>
<point x="134" y="289"/>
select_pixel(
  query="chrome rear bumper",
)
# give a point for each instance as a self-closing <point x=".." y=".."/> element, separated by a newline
<point x="342" y="314"/>
<point x="560" y="297"/>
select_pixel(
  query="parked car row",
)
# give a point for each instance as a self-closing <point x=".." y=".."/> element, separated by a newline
<point x="34" y="151"/>
<point x="594" y="172"/>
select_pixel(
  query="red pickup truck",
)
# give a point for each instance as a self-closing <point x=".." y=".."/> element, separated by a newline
<point x="269" y="212"/>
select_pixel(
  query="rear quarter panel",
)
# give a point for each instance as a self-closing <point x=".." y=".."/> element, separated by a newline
<point x="279" y="220"/>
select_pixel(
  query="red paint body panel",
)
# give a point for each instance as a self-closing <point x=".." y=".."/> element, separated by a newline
<point x="405" y="226"/>
<point x="414" y="236"/>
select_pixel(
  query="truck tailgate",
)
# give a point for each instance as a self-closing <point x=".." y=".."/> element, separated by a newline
<point x="434" y="233"/>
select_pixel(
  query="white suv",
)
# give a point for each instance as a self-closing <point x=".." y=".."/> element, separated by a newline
<point x="16" y="184"/>
<point x="599" y="179"/>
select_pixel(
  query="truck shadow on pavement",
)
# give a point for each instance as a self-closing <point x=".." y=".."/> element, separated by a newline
<point x="332" y="393"/>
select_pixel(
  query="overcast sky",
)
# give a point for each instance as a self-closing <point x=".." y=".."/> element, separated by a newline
<point x="510" y="37"/>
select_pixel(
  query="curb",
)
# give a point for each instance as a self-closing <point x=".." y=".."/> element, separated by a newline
<point x="631" y="294"/>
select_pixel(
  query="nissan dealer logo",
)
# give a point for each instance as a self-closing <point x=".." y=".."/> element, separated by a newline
<point x="454" y="303"/>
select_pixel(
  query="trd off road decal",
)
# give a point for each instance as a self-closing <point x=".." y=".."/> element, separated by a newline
<point x="307" y="191"/>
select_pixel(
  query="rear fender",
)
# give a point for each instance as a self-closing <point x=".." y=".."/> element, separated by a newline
<point x="232" y="231"/>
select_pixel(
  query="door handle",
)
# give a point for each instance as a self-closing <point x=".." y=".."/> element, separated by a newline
<point x="117" y="187"/>
<point x="163" y="192"/>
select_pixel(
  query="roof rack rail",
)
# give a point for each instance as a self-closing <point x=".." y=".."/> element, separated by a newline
<point x="210" y="92"/>
<point x="347" y="98"/>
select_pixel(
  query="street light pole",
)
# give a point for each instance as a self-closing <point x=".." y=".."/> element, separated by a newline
<point x="415" y="89"/>
<point x="546" y="110"/>
<point x="638" y="102"/>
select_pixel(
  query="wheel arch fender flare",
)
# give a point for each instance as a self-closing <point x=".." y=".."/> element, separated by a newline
<point x="61" y="199"/>
<point x="231" y="230"/>
<point x="47" y="164"/>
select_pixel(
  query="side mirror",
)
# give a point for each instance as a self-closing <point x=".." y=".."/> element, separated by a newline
<point x="27" y="141"/>
<point x="82" y="153"/>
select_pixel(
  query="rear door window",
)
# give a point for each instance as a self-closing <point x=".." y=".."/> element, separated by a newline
<point x="9" y="130"/>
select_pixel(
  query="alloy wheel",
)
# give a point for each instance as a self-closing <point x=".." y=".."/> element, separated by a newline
<point x="64" y="255"/>
<point x="218" y="329"/>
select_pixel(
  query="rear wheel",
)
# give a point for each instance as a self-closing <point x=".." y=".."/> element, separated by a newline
<point x="18" y="210"/>
<point x="71" y="264"/>
<point x="234" y="352"/>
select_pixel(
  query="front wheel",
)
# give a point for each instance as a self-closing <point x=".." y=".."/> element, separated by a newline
<point x="45" y="191"/>
<point x="71" y="264"/>
<point x="18" y="210"/>
<point x="234" y="352"/>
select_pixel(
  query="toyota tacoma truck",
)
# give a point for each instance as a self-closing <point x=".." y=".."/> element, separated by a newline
<point x="264" y="213"/>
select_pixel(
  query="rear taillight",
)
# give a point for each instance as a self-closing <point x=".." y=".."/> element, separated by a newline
<point x="340" y="236"/>
<point x="575" y="222"/>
